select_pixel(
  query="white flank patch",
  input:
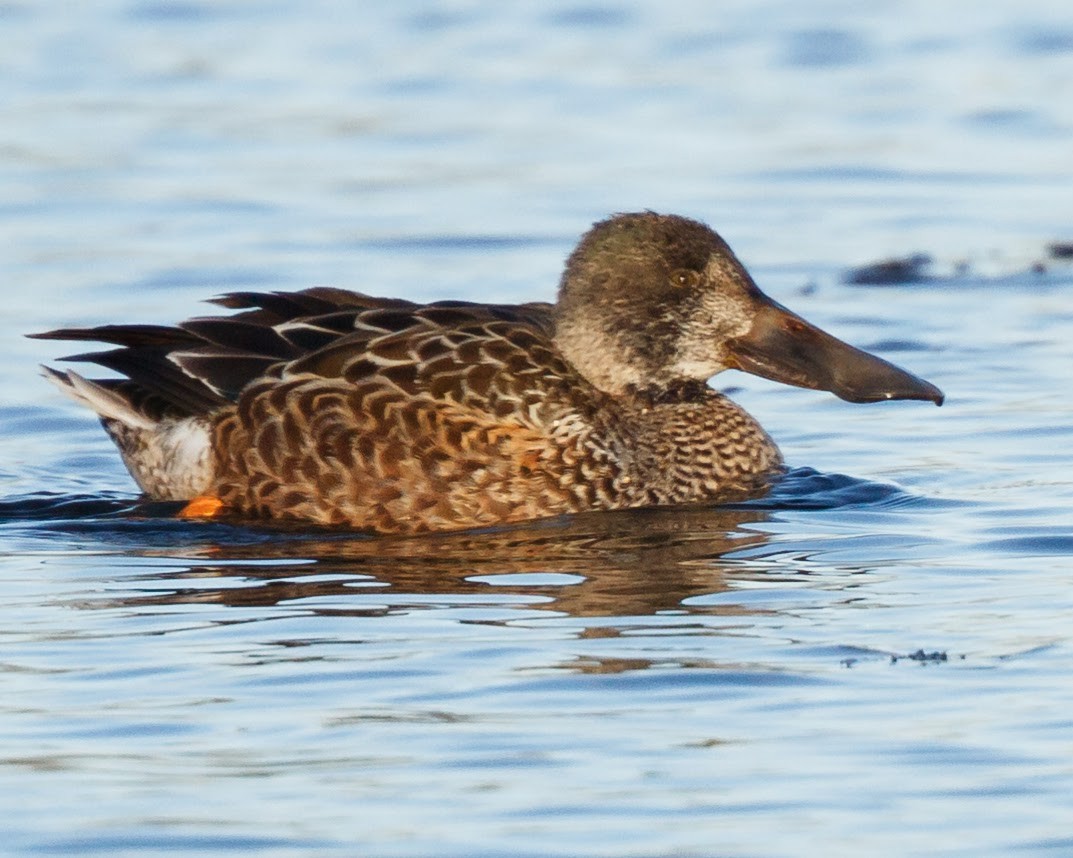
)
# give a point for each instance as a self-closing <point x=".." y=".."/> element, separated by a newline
<point x="187" y="442"/>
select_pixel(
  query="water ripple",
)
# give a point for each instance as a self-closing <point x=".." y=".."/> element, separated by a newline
<point x="807" y="488"/>
<point x="800" y="488"/>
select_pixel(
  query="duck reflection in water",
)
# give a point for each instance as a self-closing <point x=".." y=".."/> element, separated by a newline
<point x="622" y="564"/>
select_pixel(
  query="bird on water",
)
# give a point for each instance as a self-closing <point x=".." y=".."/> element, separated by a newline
<point x="332" y="407"/>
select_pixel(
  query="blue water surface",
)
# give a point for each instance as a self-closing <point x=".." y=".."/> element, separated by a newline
<point x="874" y="660"/>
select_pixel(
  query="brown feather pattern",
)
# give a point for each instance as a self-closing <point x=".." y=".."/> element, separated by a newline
<point x="404" y="417"/>
<point x="436" y="417"/>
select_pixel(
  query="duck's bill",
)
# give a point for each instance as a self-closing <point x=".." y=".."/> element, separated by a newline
<point x="782" y="346"/>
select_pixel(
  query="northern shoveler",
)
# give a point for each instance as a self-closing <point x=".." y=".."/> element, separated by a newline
<point x="336" y="408"/>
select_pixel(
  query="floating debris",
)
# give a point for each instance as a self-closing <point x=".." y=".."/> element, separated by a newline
<point x="1060" y="250"/>
<point x="922" y="656"/>
<point x="1055" y="257"/>
<point x="904" y="269"/>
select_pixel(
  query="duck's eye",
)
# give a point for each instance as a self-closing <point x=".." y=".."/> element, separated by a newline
<point x="683" y="278"/>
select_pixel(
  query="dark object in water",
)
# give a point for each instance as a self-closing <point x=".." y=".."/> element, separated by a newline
<point x="904" y="269"/>
<point x="923" y="657"/>
<point x="1060" y="250"/>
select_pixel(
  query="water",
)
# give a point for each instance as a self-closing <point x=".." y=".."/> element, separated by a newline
<point x="874" y="660"/>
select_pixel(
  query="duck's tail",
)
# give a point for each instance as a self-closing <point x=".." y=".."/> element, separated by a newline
<point x="178" y="378"/>
<point x="170" y="457"/>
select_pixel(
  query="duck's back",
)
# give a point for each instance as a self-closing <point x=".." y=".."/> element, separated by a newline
<point x="447" y="350"/>
<point x="409" y="417"/>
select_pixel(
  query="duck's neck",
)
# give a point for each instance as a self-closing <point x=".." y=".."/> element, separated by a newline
<point x="599" y="356"/>
<point x="685" y="390"/>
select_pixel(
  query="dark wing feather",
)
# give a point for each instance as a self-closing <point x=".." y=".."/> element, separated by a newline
<point x="150" y="369"/>
<point x="244" y="336"/>
<point x="275" y="307"/>
<point x="225" y="371"/>
<point x="134" y="336"/>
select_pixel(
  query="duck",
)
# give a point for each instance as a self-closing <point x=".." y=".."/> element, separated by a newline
<point x="327" y="407"/>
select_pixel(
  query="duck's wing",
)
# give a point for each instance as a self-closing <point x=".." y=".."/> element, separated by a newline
<point x="496" y="357"/>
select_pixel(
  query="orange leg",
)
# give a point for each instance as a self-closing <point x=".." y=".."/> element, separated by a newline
<point x="203" y="506"/>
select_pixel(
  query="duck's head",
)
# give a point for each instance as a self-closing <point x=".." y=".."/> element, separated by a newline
<point x="649" y="301"/>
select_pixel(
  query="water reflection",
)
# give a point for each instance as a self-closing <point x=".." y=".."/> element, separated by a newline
<point x="635" y="563"/>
